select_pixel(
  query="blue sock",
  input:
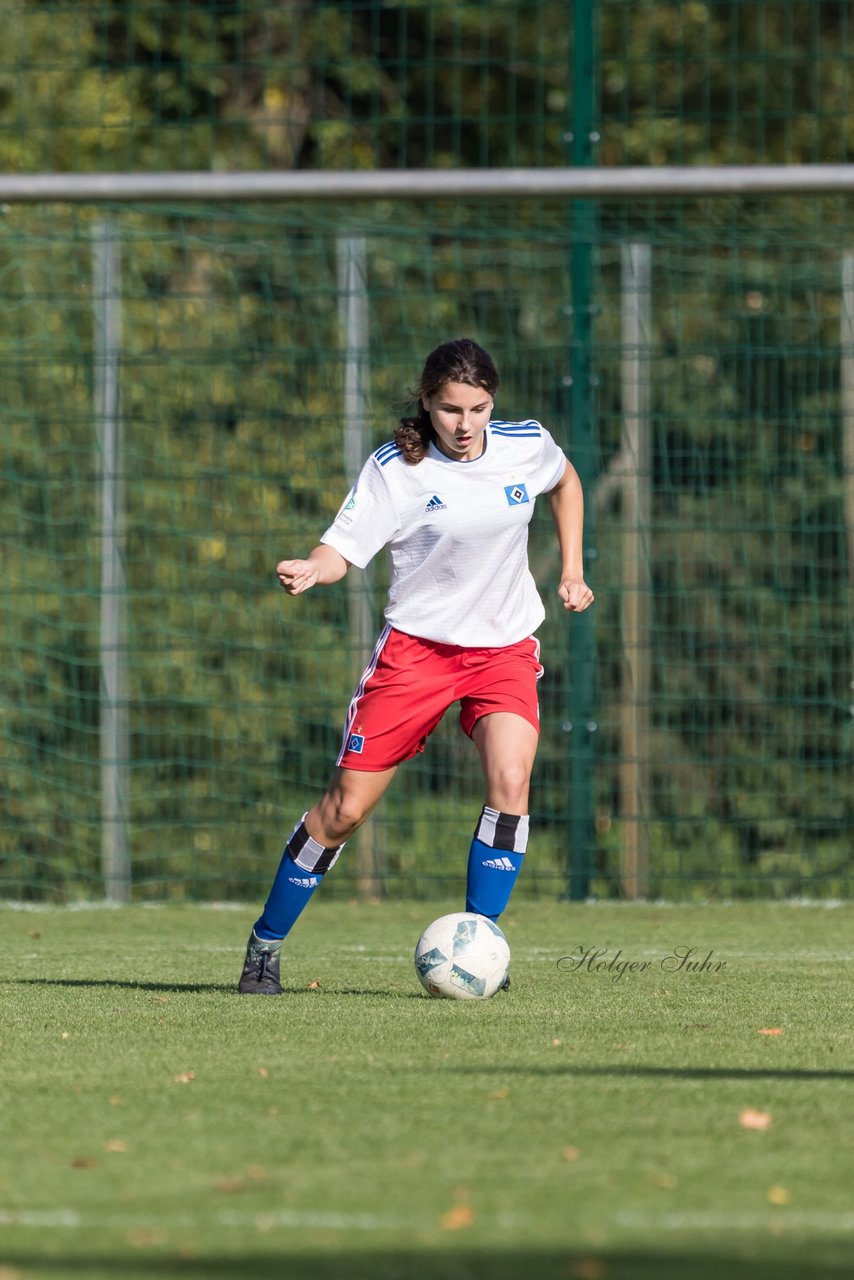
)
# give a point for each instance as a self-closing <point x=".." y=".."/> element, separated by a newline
<point x="495" y="859"/>
<point x="303" y="866"/>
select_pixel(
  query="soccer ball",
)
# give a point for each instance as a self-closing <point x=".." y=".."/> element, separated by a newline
<point x="462" y="956"/>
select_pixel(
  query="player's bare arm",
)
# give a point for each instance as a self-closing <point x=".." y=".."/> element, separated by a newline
<point x="323" y="566"/>
<point x="567" y="504"/>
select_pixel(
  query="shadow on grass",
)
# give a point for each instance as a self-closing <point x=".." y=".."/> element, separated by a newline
<point x="117" y="983"/>
<point x="473" y="1264"/>
<point x="204" y="988"/>
<point x="658" y="1073"/>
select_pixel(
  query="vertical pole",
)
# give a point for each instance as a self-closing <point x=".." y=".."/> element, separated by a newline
<point x="582" y="721"/>
<point x="115" y="751"/>
<point x="353" y="330"/>
<point x="847" y="381"/>
<point x="637" y="511"/>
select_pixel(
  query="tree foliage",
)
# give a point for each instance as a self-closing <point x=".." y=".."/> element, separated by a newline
<point x="231" y="393"/>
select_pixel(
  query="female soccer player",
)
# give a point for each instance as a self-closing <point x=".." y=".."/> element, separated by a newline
<point x="451" y="496"/>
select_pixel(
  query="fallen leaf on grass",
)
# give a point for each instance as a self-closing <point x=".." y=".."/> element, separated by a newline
<point x="589" y="1269"/>
<point x="314" y="985"/>
<point x="83" y="1162"/>
<point x="462" y="1215"/>
<point x="116" y="1145"/>
<point x="143" y="1237"/>
<point x="66" y="1035"/>
<point x="500" y="1093"/>
<point x="115" y="1100"/>
<point x="184" y="1077"/>
<point x="778" y="1195"/>
<point x="770" y="1031"/>
<point x="242" y="1181"/>
<point x="263" y="1072"/>
<point x="571" y="1153"/>
<point x="750" y="1119"/>
<point x="230" y="1185"/>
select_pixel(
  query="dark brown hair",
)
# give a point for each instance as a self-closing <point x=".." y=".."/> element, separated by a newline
<point x="461" y="360"/>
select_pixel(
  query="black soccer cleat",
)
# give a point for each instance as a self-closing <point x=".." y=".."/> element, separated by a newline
<point x="261" y="969"/>
<point x="505" y="986"/>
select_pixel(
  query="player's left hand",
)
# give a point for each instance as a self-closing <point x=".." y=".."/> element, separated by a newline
<point x="575" y="594"/>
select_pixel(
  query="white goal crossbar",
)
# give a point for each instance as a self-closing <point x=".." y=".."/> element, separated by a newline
<point x="402" y="184"/>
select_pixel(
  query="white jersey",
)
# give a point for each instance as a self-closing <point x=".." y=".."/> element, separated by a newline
<point x="457" y="534"/>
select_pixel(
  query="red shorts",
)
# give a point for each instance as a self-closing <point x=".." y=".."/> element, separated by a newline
<point x="409" y="684"/>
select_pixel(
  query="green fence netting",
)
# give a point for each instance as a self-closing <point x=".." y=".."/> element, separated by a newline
<point x="697" y="724"/>
<point x="722" y="630"/>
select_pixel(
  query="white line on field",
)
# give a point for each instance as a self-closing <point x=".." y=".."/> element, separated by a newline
<point x="841" y="1223"/>
<point x="290" y="1219"/>
<point x="43" y="908"/>
<point x="550" y="955"/>
<point x="39" y="1218"/>
<point x="597" y="904"/>
<point x="322" y="1220"/>
<point x="743" y="1220"/>
<point x="358" y="952"/>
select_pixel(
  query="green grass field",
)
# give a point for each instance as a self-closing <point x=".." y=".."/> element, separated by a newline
<point x="584" y="1125"/>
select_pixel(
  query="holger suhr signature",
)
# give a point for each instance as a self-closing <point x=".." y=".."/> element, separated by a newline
<point x="686" y="960"/>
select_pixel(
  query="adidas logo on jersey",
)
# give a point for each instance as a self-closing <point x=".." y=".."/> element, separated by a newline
<point x="498" y="864"/>
<point x="304" y="882"/>
<point x="436" y="504"/>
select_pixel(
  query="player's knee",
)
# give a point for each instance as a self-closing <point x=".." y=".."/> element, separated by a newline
<point x="508" y="785"/>
<point x="341" y="815"/>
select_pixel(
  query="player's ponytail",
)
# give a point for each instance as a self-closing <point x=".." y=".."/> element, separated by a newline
<point x="461" y="360"/>
<point x="413" y="436"/>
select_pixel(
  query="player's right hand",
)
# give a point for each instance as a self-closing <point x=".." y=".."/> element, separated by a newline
<point x="297" y="576"/>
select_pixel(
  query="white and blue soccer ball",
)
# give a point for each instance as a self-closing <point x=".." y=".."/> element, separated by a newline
<point x="462" y="956"/>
